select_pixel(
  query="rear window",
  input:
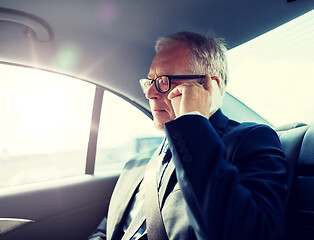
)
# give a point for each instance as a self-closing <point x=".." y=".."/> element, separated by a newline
<point x="274" y="75"/>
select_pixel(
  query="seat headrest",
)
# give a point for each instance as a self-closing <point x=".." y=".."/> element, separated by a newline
<point x="297" y="140"/>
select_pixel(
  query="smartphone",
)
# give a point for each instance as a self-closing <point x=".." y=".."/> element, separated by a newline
<point x="216" y="100"/>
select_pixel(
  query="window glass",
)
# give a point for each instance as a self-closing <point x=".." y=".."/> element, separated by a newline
<point x="124" y="131"/>
<point x="274" y="75"/>
<point x="45" y="122"/>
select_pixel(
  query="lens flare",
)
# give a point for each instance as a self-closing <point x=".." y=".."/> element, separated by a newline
<point x="68" y="56"/>
<point x="108" y="12"/>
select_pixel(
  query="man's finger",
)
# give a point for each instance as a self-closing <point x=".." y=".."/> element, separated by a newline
<point x="174" y="93"/>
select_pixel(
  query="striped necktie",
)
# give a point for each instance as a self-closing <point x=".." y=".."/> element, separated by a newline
<point x="166" y="156"/>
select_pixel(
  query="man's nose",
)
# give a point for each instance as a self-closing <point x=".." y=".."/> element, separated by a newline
<point x="152" y="92"/>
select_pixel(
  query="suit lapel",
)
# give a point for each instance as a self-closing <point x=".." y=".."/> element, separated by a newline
<point x="124" y="197"/>
<point x="123" y="194"/>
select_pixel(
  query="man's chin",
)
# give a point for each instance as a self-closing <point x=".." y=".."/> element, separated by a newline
<point x="159" y="125"/>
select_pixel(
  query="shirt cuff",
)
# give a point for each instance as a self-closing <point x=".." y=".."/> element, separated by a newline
<point x="192" y="113"/>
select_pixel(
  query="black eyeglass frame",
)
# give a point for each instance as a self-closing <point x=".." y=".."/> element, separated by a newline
<point x="170" y="77"/>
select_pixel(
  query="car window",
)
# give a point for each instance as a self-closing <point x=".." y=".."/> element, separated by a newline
<point x="45" y="124"/>
<point x="124" y="132"/>
<point x="274" y="75"/>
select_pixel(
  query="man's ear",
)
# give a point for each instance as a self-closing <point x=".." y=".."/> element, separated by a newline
<point x="217" y="79"/>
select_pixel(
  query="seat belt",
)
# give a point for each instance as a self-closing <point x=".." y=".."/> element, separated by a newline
<point x="154" y="223"/>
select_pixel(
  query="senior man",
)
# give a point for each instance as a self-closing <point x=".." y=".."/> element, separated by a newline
<point x="212" y="178"/>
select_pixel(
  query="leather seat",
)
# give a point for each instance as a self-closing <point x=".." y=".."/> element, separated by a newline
<point x="298" y="143"/>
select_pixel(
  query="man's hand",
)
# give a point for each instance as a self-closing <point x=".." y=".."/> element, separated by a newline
<point x="195" y="97"/>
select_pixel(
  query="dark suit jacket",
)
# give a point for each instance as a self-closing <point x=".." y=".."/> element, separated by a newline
<point x="229" y="182"/>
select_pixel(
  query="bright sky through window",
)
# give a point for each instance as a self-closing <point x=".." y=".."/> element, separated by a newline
<point x="274" y="75"/>
<point x="39" y="109"/>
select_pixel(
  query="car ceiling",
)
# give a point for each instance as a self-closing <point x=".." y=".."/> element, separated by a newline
<point x="110" y="43"/>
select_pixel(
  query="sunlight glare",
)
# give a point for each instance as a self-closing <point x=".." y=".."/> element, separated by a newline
<point x="44" y="107"/>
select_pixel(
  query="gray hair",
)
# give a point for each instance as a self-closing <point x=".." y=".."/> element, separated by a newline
<point x="208" y="54"/>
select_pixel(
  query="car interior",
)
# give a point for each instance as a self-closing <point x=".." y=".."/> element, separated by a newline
<point x="111" y="45"/>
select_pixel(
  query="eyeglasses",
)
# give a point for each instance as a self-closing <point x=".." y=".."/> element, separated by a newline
<point x="163" y="82"/>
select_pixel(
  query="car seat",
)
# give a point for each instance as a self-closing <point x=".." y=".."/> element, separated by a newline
<point x="298" y="143"/>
